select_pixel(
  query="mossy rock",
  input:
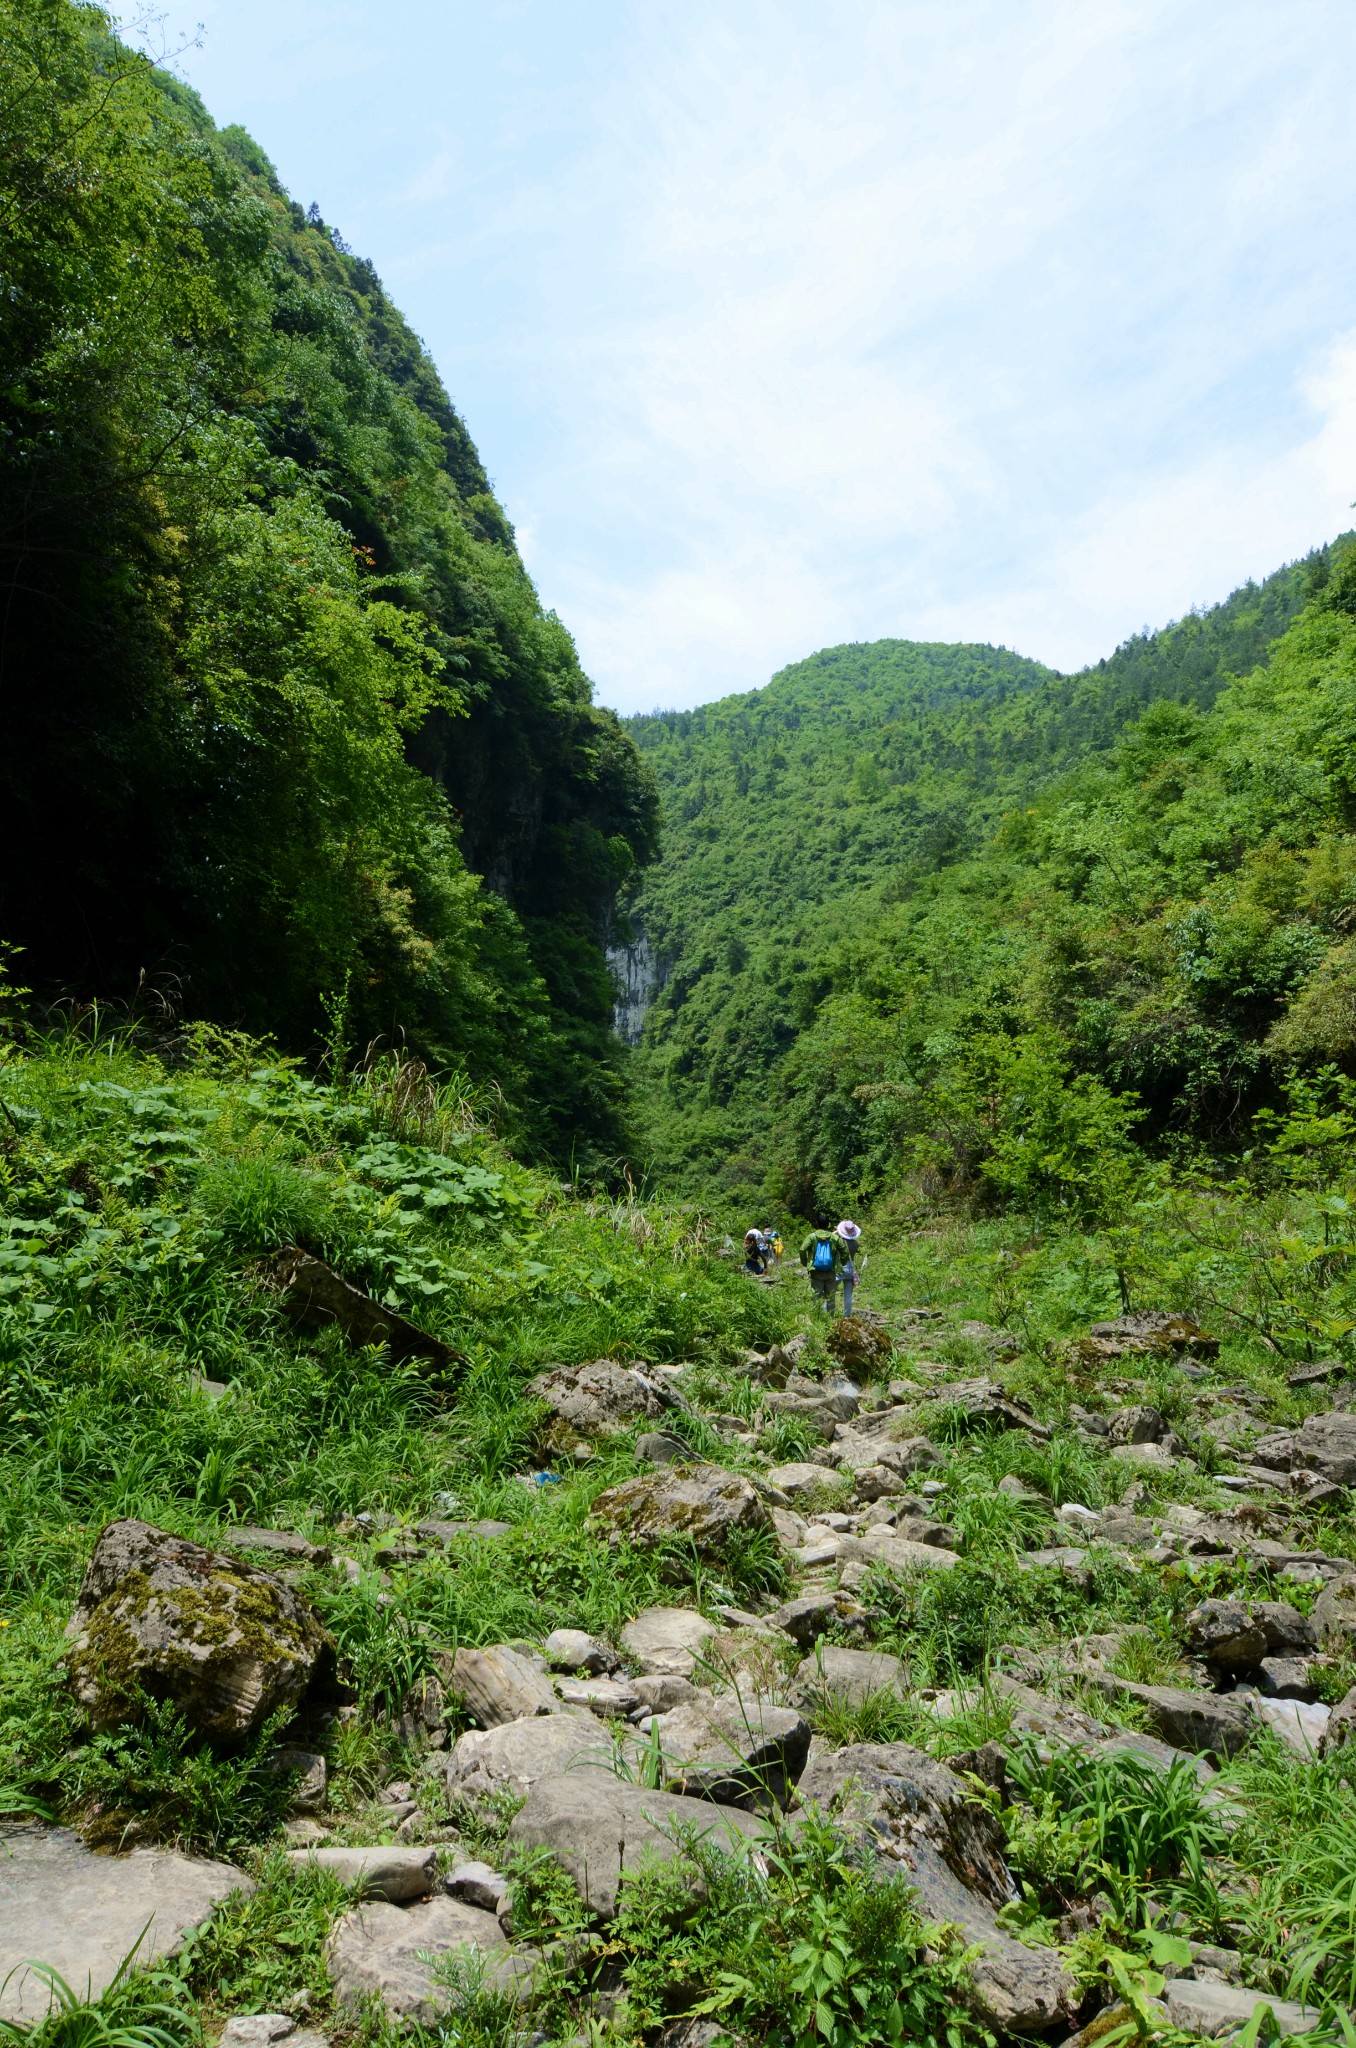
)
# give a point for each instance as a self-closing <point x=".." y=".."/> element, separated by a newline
<point x="164" y="1618"/>
<point x="700" y="1504"/>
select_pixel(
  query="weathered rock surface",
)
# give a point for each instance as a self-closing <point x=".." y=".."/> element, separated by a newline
<point x="389" y="1951"/>
<point x="861" y="1348"/>
<point x="1210" y="2009"/>
<point x="737" y="1752"/>
<point x="262" y="2029"/>
<point x="228" y="1643"/>
<point x="798" y="1479"/>
<point x="836" y="1673"/>
<point x="920" y="1816"/>
<point x="1334" y="1613"/>
<point x="382" y="1873"/>
<point x="513" y="1757"/>
<point x="499" y="1684"/>
<point x="476" y="1884"/>
<point x="1301" y="1724"/>
<point x="812" y="1615"/>
<point x="666" y="1641"/>
<point x="280" y="1543"/>
<point x="1225" y="1634"/>
<point x="81" y="1914"/>
<point x="986" y="1406"/>
<point x="699" y="1504"/>
<point x="1288" y="1632"/>
<point x="1210" y="1724"/>
<point x="569" y="1649"/>
<point x="1341" y="1724"/>
<point x="608" y="1698"/>
<point x="1326" y="1444"/>
<point x="1140" y="1424"/>
<point x="663" y="1447"/>
<point x="314" y="1295"/>
<point x="597" y="1828"/>
<point x="603" y="1397"/>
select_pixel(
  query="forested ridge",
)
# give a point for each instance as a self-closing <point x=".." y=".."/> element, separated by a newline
<point x="277" y="690"/>
<point x="908" y="890"/>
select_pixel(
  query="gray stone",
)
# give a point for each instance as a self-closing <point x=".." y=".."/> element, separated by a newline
<point x="1287" y="1678"/>
<point x="280" y="1543"/>
<point x="1140" y="1424"/>
<point x="382" y="1873"/>
<point x="737" y="1752"/>
<point x="308" y="1793"/>
<point x="660" y="1690"/>
<point x="796" y="1480"/>
<point x="261" y="2029"/>
<point x="477" y="1884"/>
<point x="597" y="1828"/>
<point x="1225" y="1634"/>
<point x="1288" y="1632"/>
<point x="1341" y="1724"/>
<point x="986" y="1406"/>
<point x="1207" y="1723"/>
<point x="569" y="1649"/>
<point x="608" y="1698"/>
<point x="81" y="1914"/>
<point x="227" y="1643"/>
<point x="1334" y="1613"/>
<point x="513" y="1757"/>
<point x="806" y="1619"/>
<point x="499" y="1684"/>
<point x="920" y="1817"/>
<point x="703" y="1505"/>
<point x="1210" y="2009"/>
<point x="666" y="1641"/>
<point x="448" y="1533"/>
<point x="899" y="1553"/>
<point x="847" y="1676"/>
<point x="662" y="1447"/>
<point x="1326" y="1444"/>
<point x="388" y="1951"/>
<point x="1301" y="1724"/>
<point x="602" y="1397"/>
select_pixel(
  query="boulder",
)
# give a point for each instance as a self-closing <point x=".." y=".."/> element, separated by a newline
<point x="1209" y="2009"/>
<point x="262" y="2029"/>
<point x="666" y="1641"/>
<point x="477" y="1884"/>
<point x="861" y="1348"/>
<point x="81" y="1914"/>
<point x="227" y="1643"/>
<point x="821" y="1412"/>
<point x="920" y="1818"/>
<point x="847" y="1677"/>
<point x="698" y="1504"/>
<point x="662" y="1447"/>
<point x="280" y="1543"/>
<point x="737" y="1752"/>
<point x="1288" y="1632"/>
<point x="1287" y="1678"/>
<point x="1334" y="1613"/>
<point x="1146" y="1331"/>
<point x="512" y="1757"/>
<point x="597" y="1828"/>
<point x="311" y="1780"/>
<point x="601" y="1398"/>
<point x="1137" y="1425"/>
<point x="396" y="1875"/>
<point x="1226" y="1635"/>
<point x="796" y="1480"/>
<point x="499" y="1684"/>
<point x="806" y="1619"/>
<point x="1341" y="1724"/>
<point x="388" y="1952"/>
<point x="1301" y="1724"/>
<point x="904" y="1554"/>
<point x="1209" y="1724"/>
<point x="985" y="1405"/>
<point x="569" y="1649"/>
<point x="1326" y="1444"/>
<point x="609" y="1698"/>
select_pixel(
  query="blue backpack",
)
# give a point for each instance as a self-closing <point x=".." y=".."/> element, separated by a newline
<point x="822" y="1261"/>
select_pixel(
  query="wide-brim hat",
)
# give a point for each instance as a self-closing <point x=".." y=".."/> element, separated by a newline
<point x="847" y="1228"/>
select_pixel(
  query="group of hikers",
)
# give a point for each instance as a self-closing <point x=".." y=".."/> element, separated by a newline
<point x="829" y="1254"/>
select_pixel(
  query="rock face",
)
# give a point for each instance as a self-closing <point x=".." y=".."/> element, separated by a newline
<point x="81" y="1914"/>
<point x="388" y="1950"/>
<point x="849" y="1676"/>
<point x="597" y="1828"/>
<point x="735" y="1752"/>
<point x="396" y="1875"/>
<point x="918" y="1816"/>
<point x="227" y="1643"/>
<point x="499" y="1684"/>
<point x="569" y="1649"/>
<point x="701" y="1504"/>
<point x="601" y="1398"/>
<point x="666" y="1641"/>
<point x="513" y="1757"/>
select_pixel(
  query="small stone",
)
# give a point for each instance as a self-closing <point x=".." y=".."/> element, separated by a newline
<point x="479" y="1884"/>
<point x="667" y="1640"/>
<point x="569" y="1649"/>
<point x="498" y="1684"/>
<point x="256" y="2029"/>
<point x="661" y="1447"/>
<point x="1141" y="1424"/>
<point x="608" y="1698"/>
<point x="806" y="1619"/>
<point x="796" y="1481"/>
<point x="848" y="1676"/>
<point x="392" y="1874"/>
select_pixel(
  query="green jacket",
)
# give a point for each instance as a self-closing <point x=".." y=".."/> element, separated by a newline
<point x="807" y="1250"/>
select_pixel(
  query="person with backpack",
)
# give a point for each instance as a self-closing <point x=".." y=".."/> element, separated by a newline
<point x="754" y="1262"/>
<point x="849" y="1233"/>
<point x="823" y="1257"/>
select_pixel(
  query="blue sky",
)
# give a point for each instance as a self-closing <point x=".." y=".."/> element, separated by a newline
<point x="782" y="324"/>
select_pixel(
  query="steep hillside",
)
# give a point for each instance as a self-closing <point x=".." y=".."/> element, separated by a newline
<point x="807" y="826"/>
<point x="278" y="691"/>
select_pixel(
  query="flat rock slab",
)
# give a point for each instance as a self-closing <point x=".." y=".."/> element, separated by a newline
<point x="1211" y="2009"/>
<point x="666" y="1641"/>
<point x="1301" y="1724"/>
<point x="390" y="1951"/>
<point x="81" y="1914"/>
<point x="512" y="1758"/>
<point x="393" y="1874"/>
<point x="597" y="1828"/>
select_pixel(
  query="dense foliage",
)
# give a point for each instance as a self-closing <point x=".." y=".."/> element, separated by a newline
<point x="936" y="912"/>
<point x="278" y="692"/>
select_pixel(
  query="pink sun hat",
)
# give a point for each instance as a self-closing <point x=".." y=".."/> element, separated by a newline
<point x="847" y="1228"/>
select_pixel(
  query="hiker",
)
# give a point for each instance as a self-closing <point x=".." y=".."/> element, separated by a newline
<point x="849" y="1233"/>
<point x="769" y="1246"/>
<point x="753" y="1253"/>
<point x="822" y="1256"/>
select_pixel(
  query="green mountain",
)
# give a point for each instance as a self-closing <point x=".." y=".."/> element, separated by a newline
<point x="873" y="815"/>
<point x="288" y="734"/>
